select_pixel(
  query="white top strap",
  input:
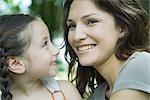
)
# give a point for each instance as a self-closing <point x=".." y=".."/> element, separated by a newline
<point x="51" y="84"/>
<point x="0" y="94"/>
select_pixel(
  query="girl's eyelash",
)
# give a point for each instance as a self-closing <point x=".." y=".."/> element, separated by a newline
<point x="45" y="44"/>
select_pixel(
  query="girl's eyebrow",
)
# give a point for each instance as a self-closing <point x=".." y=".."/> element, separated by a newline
<point x="44" y="38"/>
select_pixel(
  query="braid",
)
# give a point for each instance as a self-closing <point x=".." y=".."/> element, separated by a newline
<point x="4" y="80"/>
<point x="13" y="42"/>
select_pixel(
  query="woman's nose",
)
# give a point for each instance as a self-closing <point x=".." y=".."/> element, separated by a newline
<point x="80" y="33"/>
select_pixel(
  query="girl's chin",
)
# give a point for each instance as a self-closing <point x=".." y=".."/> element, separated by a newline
<point x="53" y="75"/>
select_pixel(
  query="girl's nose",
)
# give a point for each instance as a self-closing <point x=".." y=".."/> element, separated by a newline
<point x="55" y="50"/>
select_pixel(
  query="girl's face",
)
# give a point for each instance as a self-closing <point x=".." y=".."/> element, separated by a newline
<point x="92" y="32"/>
<point x="41" y="54"/>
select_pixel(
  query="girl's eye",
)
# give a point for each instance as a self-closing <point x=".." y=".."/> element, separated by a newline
<point x="91" y="22"/>
<point x="45" y="44"/>
<point x="71" y="27"/>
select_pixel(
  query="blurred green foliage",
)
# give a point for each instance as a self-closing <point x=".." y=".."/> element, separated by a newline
<point x="48" y="10"/>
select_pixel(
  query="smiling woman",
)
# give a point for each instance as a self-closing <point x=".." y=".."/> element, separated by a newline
<point x="108" y="40"/>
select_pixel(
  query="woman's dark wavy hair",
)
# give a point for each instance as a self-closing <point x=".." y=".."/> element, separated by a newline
<point x="11" y="44"/>
<point x="131" y="17"/>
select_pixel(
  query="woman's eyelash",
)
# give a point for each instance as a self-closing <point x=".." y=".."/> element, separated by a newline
<point x="71" y="26"/>
<point x="89" y="22"/>
<point x="92" y="21"/>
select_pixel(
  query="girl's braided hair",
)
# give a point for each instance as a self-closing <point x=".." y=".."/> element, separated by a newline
<point x="11" y="44"/>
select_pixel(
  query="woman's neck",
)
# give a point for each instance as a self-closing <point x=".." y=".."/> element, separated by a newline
<point x="110" y="69"/>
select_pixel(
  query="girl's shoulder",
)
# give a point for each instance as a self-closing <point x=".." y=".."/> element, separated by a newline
<point x="66" y="86"/>
<point x="69" y="90"/>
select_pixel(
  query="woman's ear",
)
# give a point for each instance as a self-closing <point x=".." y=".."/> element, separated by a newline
<point x="16" y="65"/>
<point x="123" y="31"/>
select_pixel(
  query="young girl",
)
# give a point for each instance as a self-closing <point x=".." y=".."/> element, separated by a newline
<point x="28" y="61"/>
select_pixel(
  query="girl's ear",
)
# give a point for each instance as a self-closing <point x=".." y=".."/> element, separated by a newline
<point x="16" y="65"/>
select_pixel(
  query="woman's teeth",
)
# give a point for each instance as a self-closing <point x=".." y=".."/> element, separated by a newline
<point x="87" y="47"/>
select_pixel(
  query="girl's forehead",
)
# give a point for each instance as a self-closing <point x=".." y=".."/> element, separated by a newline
<point x="38" y="29"/>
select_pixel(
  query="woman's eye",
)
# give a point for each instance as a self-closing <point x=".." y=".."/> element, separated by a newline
<point x="71" y="27"/>
<point x="91" y="22"/>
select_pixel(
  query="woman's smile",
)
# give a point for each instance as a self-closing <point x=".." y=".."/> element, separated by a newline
<point x="85" y="47"/>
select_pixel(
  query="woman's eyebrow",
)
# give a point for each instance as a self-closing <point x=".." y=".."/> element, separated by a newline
<point x="70" y="20"/>
<point x="88" y="15"/>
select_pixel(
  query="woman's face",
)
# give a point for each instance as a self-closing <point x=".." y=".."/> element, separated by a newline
<point x="93" y="33"/>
